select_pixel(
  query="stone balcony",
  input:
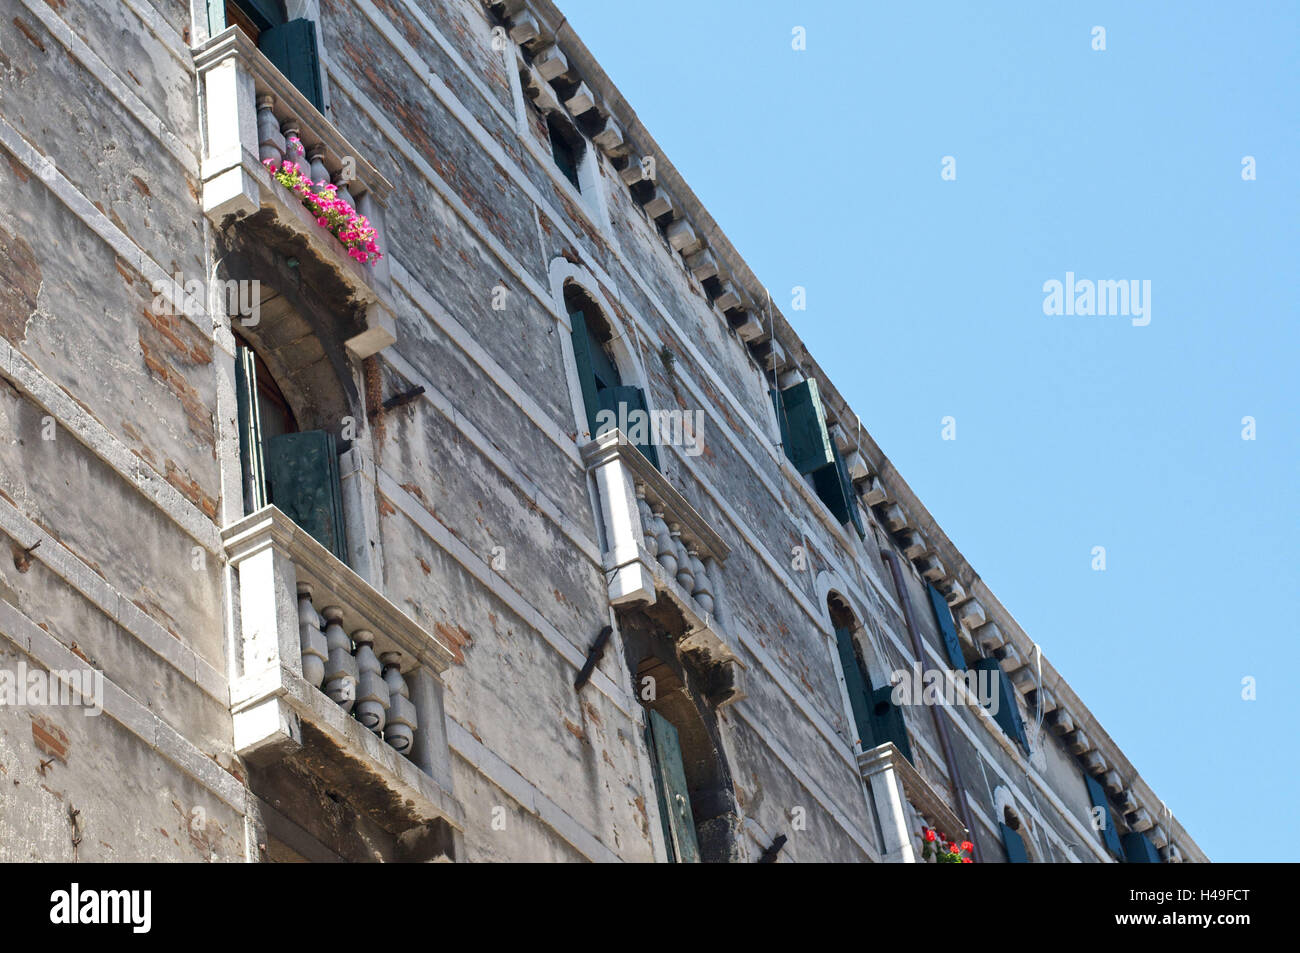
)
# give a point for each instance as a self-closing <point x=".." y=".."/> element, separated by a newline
<point x="657" y="547"/>
<point x="250" y="110"/>
<point x="329" y="675"/>
<point x="905" y="801"/>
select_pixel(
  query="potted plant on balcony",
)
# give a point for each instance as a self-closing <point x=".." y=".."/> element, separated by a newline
<point x="936" y="848"/>
<point x="332" y="213"/>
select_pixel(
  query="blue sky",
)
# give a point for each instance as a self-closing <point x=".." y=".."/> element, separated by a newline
<point x="925" y="300"/>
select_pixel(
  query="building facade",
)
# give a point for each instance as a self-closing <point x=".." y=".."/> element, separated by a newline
<point x="398" y="463"/>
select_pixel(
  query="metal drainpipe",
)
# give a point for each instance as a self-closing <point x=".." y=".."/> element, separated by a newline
<point x="945" y="740"/>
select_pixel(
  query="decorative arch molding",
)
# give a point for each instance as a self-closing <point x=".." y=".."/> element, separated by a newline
<point x="1005" y="810"/>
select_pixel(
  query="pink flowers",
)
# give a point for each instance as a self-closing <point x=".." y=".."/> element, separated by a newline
<point x="333" y="213"/>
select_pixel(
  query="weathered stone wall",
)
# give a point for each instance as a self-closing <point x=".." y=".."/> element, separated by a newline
<point x="489" y="526"/>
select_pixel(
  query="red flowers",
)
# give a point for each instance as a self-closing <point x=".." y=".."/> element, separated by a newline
<point x="943" y="850"/>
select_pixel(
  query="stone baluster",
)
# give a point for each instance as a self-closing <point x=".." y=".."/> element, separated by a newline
<point x="666" y="552"/>
<point x="311" y="640"/>
<point x="373" y="697"/>
<point x="685" y="578"/>
<point x="703" y="589"/>
<point x="399" y="730"/>
<point x="344" y="191"/>
<point x="319" y="174"/>
<point x="648" y="539"/>
<point x="270" y="141"/>
<point x="292" y="129"/>
<point x="340" y="667"/>
<point x="716" y="592"/>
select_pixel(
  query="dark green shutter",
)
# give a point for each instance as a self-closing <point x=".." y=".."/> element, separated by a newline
<point x="633" y="398"/>
<point x="303" y="476"/>
<point x="582" y="356"/>
<point x="1109" y="835"/>
<point x="1008" y="713"/>
<point x="291" y="47"/>
<point x="858" y="688"/>
<point x="251" y="452"/>
<point x="851" y="498"/>
<point x="943" y="616"/>
<point x="1014" y="845"/>
<point x="674" y="796"/>
<point x="809" y="447"/>
<point x="1138" y="849"/>
<point x="889" y="723"/>
<point x="833" y="486"/>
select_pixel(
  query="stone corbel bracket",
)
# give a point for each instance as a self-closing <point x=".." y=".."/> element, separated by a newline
<point x="249" y="109"/>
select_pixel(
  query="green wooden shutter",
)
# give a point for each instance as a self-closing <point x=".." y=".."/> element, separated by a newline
<point x="943" y="616"/>
<point x="252" y="458"/>
<point x="1014" y="845"/>
<point x="582" y="348"/>
<point x="1008" y="713"/>
<point x="851" y="498"/>
<point x="291" y="47"/>
<point x="833" y="486"/>
<point x="858" y="688"/>
<point x="1138" y="848"/>
<point x="674" y="797"/>
<point x="889" y="723"/>
<point x="809" y="447"/>
<point x="1109" y="835"/>
<point x="633" y="398"/>
<point x="303" y="476"/>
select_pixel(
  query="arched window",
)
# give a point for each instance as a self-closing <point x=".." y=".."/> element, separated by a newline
<point x="1013" y="840"/>
<point x="297" y="471"/>
<point x="609" y="402"/>
<point x="875" y="716"/>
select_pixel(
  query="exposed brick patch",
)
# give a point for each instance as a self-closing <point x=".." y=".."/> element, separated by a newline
<point x="425" y="566"/>
<point x="455" y="638"/>
<point x="139" y="182"/>
<point x="575" y="730"/>
<point x="30" y="33"/>
<point x="20" y="276"/>
<point x="190" y="489"/>
<point x="14" y="165"/>
<point x="164" y="346"/>
<point x="49" y="738"/>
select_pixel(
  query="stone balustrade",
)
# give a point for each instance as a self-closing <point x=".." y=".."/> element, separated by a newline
<point x="252" y="112"/>
<point x="905" y="802"/>
<point x="324" y="661"/>
<point x="656" y="544"/>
